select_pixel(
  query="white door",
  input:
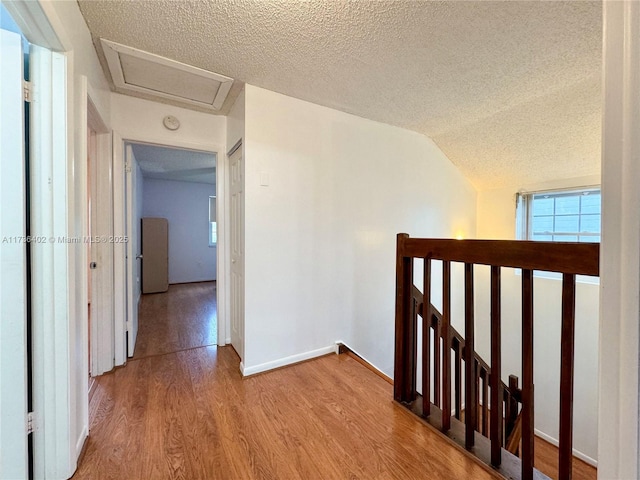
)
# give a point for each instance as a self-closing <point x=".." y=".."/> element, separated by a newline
<point x="236" y="189"/>
<point x="133" y="257"/>
<point x="119" y="252"/>
<point x="13" y="319"/>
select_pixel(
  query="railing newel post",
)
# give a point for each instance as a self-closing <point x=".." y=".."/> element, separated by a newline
<point x="404" y="368"/>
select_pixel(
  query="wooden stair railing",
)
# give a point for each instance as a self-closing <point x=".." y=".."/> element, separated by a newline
<point x="505" y="411"/>
<point x="511" y="392"/>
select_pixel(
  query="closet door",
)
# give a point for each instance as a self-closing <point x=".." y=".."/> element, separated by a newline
<point x="155" y="255"/>
<point x="13" y="292"/>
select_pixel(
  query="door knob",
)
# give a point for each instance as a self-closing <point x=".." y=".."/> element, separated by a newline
<point x="138" y="257"/>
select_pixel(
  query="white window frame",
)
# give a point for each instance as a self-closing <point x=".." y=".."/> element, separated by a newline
<point x="523" y="225"/>
<point x="525" y="211"/>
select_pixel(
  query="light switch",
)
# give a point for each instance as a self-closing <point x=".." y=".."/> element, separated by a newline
<point x="264" y="179"/>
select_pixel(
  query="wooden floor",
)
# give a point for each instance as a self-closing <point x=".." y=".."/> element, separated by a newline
<point x="190" y="415"/>
<point x="546" y="460"/>
<point x="182" y="318"/>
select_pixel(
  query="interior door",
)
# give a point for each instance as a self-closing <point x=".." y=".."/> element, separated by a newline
<point x="132" y="257"/>
<point x="236" y="189"/>
<point x="155" y="252"/>
<point x="13" y="318"/>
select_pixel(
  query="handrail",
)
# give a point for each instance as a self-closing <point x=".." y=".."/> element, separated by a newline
<point x="563" y="257"/>
<point x="570" y="259"/>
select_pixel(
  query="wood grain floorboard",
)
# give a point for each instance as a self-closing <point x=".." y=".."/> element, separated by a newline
<point x="546" y="461"/>
<point x="180" y="412"/>
<point x="190" y="415"/>
<point x="183" y="317"/>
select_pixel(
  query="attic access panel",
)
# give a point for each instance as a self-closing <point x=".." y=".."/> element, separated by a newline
<point x="139" y="71"/>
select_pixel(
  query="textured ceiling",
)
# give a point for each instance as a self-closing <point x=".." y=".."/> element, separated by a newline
<point x="165" y="163"/>
<point x="509" y="90"/>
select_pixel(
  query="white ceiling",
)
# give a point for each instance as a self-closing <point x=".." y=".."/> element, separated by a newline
<point x="509" y="90"/>
<point x="166" y="163"/>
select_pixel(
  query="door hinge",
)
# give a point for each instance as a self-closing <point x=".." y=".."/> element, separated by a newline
<point x="127" y="167"/>
<point x="27" y="88"/>
<point x="29" y="422"/>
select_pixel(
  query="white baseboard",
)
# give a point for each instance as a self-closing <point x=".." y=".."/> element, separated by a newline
<point x="227" y="340"/>
<point x="576" y="453"/>
<point x="81" y="439"/>
<point x="363" y="358"/>
<point x="281" y="362"/>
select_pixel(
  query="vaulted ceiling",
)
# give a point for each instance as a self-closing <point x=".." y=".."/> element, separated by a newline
<point x="509" y="90"/>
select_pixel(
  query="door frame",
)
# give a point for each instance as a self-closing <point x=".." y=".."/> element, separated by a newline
<point x="223" y="259"/>
<point x="132" y="269"/>
<point x="14" y="457"/>
<point x="239" y="146"/>
<point x="101" y="334"/>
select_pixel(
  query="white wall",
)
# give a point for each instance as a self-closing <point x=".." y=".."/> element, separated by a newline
<point x="320" y="238"/>
<point x="186" y="206"/>
<point x="496" y="220"/>
<point x="141" y="120"/>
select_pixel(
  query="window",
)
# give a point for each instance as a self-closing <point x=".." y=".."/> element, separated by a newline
<point x="213" y="228"/>
<point x="560" y="216"/>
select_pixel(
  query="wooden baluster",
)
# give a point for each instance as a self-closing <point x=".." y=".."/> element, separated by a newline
<point x="457" y="371"/>
<point x="527" y="375"/>
<point x="496" y="372"/>
<point x="426" y="339"/>
<point x="565" y="449"/>
<point x="436" y="361"/>
<point x="485" y="403"/>
<point x="512" y="406"/>
<point x="505" y="408"/>
<point x="405" y="351"/>
<point x="476" y="404"/>
<point x="446" y="346"/>
<point x="415" y="314"/>
<point x="469" y="360"/>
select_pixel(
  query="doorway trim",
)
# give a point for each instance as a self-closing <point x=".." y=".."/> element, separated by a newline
<point x="101" y="334"/>
<point x="222" y="274"/>
<point x="618" y="385"/>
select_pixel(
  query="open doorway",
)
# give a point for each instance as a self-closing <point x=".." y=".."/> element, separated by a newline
<point x="172" y="254"/>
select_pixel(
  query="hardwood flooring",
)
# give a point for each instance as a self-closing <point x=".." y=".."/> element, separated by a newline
<point x="180" y="410"/>
<point x="186" y="413"/>
<point x="181" y="318"/>
<point x="190" y="415"/>
<point x="547" y="462"/>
